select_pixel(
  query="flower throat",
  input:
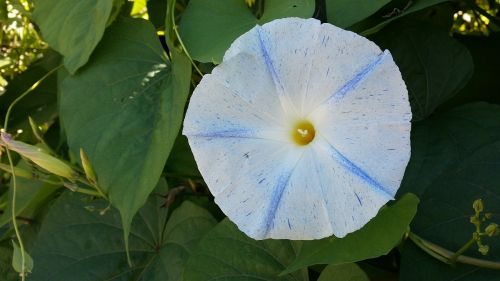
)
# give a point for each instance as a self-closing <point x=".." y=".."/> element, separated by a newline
<point x="303" y="132"/>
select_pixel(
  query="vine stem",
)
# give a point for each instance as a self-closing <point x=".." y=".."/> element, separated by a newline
<point x="99" y="193"/>
<point x="447" y="256"/>
<point x="11" y="164"/>
<point x="29" y="90"/>
<point x="174" y="27"/>
<point x="460" y="251"/>
<point x="14" y="220"/>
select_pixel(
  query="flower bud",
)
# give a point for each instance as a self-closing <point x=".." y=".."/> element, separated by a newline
<point x="250" y="3"/>
<point x="478" y="205"/>
<point x="36" y="129"/>
<point x="39" y="157"/>
<point x="89" y="172"/>
<point x="474" y="220"/>
<point x="484" y="249"/>
<point x="476" y="236"/>
<point x="492" y="230"/>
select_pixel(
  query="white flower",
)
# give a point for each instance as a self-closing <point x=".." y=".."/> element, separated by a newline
<point x="303" y="130"/>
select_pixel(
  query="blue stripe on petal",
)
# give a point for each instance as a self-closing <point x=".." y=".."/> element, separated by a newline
<point x="356" y="80"/>
<point x="276" y="196"/>
<point x="353" y="168"/>
<point x="269" y="62"/>
<point x="275" y="200"/>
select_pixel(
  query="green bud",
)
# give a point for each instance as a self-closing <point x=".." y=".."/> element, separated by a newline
<point x="89" y="172"/>
<point x="474" y="220"/>
<point x="484" y="249"/>
<point x="35" y="128"/>
<point x="39" y="156"/>
<point x="488" y="216"/>
<point x="476" y="236"/>
<point x="492" y="230"/>
<point x="250" y="3"/>
<point x="478" y="205"/>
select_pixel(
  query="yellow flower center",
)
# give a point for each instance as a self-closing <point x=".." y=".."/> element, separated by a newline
<point x="303" y="132"/>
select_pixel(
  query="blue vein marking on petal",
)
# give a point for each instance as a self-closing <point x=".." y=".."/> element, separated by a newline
<point x="359" y="200"/>
<point x="353" y="168"/>
<point x="282" y="182"/>
<point x="269" y="62"/>
<point x="356" y="80"/>
<point x="275" y="200"/>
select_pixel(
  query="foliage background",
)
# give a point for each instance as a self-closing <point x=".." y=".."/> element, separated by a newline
<point x="112" y="77"/>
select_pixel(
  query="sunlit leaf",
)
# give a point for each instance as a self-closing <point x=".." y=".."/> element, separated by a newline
<point x="17" y="260"/>
<point x="125" y="109"/>
<point x="73" y="28"/>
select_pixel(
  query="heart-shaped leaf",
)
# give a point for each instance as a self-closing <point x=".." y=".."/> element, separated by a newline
<point x="124" y="109"/>
<point x="76" y="238"/>
<point x="73" y="28"/>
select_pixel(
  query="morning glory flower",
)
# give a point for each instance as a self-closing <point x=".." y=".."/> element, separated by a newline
<point x="302" y="131"/>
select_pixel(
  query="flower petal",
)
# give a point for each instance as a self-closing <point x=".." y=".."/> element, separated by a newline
<point x="228" y="103"/>
<point x="352" y="196"/>
<point x="335" y="54"/>
<point x="240" y="120"/>
<point x="288" y="64"/>
<point x="247" y="177"/>
<point x="339" y="57"/>
<point x="302" y="212"/>
<point x="370" y="124"/>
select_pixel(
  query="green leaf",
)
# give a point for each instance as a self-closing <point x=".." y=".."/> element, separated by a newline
<point x="344" y="13"/>
<point x="7" y="273"/>
<point x="73" y="28"/>
<point x="181" y="161"/>
<point x="77" y="243"/>
<point x="125" y="109"/>
<point x="484" y="52"/>
<point x="30" y="194"/>
<point x="455" y="160"/>
<point x="208" y="27"/>
<point x="343" y="272"/>
<point x="156" y="11"/>
<point x="376" y="238"/>
<point x="17" y="260"/>
<point x="225" y="253"/>
<point x="434" y="65"/>
<point x="410" y="7"/>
